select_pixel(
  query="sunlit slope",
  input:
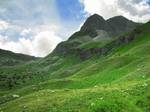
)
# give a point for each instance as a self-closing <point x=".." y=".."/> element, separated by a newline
<point x="116" y="82"/>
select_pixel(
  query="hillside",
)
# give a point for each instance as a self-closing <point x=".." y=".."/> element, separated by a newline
<point x="8" y="58"/>
<point x="84" y="75"/>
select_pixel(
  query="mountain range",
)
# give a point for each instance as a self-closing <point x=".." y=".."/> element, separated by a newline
<point x="104" y="67"/>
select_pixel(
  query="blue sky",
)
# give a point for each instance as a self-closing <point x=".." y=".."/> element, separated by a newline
<point x="70" y="10"/>
<point x="28" y="13"/>
<point x="149" y="2"/>
<point x="35" y="27"/>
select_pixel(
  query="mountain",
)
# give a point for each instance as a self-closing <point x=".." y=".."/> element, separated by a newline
<point x="94" y="23"/>
<point x="84" y="74"/>
<point x="120" y="25"/>
<point x="96" y="30"/>
<point x="8" y="58"/>
<point x="115" y="26"/>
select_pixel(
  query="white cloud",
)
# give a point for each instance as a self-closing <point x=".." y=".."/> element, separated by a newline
<point x="38" y="40"/>
<point x="44" y="42"/>
<point x="3" y="25"/>
<point x="34" y="28"/>
<point x="40" y="45"/>
<point x="136" y="10"/>
<point x="25" y="32"/>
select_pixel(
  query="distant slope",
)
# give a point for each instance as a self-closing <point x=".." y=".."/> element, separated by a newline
<point x="8" y="58"/>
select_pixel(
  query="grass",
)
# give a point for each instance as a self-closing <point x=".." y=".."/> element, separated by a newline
<point x="116" y="98"/>
<point x="118" y="82"/>
<point x="93" y="44"/>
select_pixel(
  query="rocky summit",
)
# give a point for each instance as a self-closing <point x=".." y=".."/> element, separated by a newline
<point x="96" y="28"/>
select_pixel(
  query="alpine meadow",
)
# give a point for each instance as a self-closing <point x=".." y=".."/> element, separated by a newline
<point x="102" y="67"/>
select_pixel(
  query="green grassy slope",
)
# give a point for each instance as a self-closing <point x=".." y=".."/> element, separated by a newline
<point x="8" y="58"/>
<point x="118" y="82"/>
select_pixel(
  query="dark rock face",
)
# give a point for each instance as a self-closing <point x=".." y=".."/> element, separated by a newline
<point x="84" y="55"/>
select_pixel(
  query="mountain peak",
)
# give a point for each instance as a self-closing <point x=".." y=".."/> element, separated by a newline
<point x="120" y="25"/>
<point x="95" y="17"/>
<point x="94" y="23"/>
<point x="114" y="26"/>
<point x="118" y="18"/>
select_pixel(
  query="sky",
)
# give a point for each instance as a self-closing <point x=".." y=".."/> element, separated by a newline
<point x="35" y="27"/>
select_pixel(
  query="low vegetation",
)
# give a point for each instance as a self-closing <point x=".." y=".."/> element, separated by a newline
<point x="116" y="82"/>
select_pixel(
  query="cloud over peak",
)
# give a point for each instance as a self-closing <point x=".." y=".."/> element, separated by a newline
<point x="136" y="10"/>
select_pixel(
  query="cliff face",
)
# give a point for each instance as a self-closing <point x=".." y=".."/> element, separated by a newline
<point x="96" y="29"/>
